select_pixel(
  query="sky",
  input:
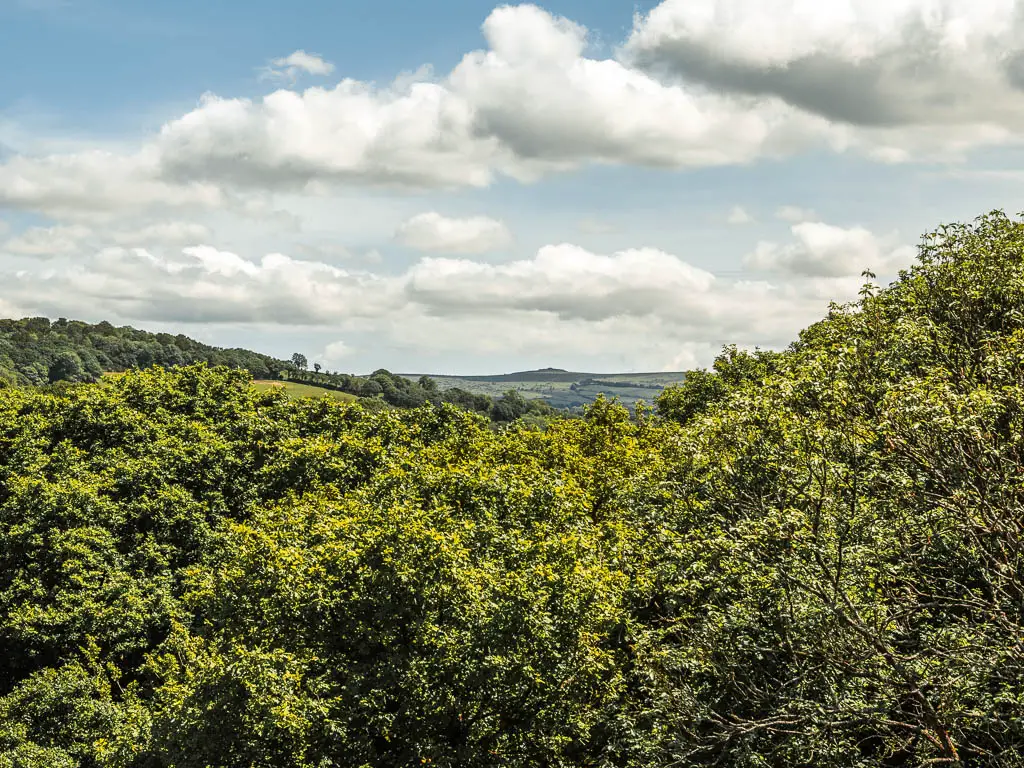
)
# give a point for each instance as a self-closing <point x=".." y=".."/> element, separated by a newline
<point x="464" y="187"/>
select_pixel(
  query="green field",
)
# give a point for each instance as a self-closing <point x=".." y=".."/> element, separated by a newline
<point x="564" y="389"/>
<point x="561" y="389"/>
<point x="294" y="389"/>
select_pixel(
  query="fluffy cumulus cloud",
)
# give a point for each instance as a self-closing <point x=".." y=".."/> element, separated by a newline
<point x="434" y="232"/>
<point x="204" y="284"/>
<point x="537" y="92"/>
<point x="98" y="184"/>
<point x="531" y="103"/>
<point x="565" y="280"/>
<point x="414" y="134"/>
<point x="698" y="83"/>
<point x="824" y="250"/>
<point x="913" y="74"/>
<point x="295" y="64"/>
<point x="645" y="303"/>
<point x="642" y="303"/>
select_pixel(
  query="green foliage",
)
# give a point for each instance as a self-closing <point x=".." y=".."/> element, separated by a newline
<point x="35" y="351"/>
<point x="295" y="389"/>
<point x="565" y="391"/>
<point x="401" y="392"/>
<point x="512" y="406"/>
<point x="732" y="370"/>
<point x="805" y="558"/>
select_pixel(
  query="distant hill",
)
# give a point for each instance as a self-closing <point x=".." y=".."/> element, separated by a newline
<point x="36" y="350"/>
<point x="563" y="389"/>
<point x="541" y="374"/>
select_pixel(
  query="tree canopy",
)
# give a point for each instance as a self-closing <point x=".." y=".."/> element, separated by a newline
<point x="811" y="557"/>
<point x="38" y="351"/>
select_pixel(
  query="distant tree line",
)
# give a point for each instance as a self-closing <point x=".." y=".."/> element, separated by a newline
<point x="620" y="384"/>
<point x="402" y="392"/>
<point x="36" y="351"/>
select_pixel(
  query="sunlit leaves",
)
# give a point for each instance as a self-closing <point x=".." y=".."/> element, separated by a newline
<point x="809" y="558"/>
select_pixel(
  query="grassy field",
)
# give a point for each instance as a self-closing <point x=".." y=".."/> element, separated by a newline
<point x="565" y="389"/>
<point x="562" y="389"/>
<point x="295" y="389"/>
<point x="292" y="388"/>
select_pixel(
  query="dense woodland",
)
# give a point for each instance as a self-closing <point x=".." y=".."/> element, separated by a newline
<point x="36" y="351"/>
<point x="805" y="558"/>
<point x="402" y="392"/>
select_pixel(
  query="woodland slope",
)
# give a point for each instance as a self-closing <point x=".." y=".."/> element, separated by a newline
<point x="805" y="558"/>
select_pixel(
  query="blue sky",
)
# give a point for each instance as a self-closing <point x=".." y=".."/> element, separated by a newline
<point x="465" y="187"/>
<point x="110" y="63"/>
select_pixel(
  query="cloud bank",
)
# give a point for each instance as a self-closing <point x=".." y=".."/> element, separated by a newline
<point x="563" y="295"/>
<point x="127" y="228"/>
<point x="434" y="232"/>
<point x="697" y="83"/>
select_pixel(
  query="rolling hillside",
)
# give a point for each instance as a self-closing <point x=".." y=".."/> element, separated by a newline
<point x="295" y="389"/>
<point x="36" y="351"/>
<point x="563" y="389"/>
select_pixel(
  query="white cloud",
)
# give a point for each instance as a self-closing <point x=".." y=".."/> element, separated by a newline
<point x="699" y="83"/>
<point x="98" y="184"/>
<point x="795" y="214"/>
<point x="913" y="74"/>
<point x="739" y="215"/>
<point x="562" y="279"/>
<point x="204" y="284"/>
<point x="47" y="241"/>
<point x="67" y="239"/>
<point x="335" y="352"/>
<point x="692" y="328"/>
<point x="644" y="304"/>
<point x="416" y="136"/>
<point x="163" y="233"/>
<point x="434" y="232"/>
<point x="537" y="93"/>
<point x="824" y="250"/>
<point x="295" y="64"/>
<point x="530" y="104"/>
